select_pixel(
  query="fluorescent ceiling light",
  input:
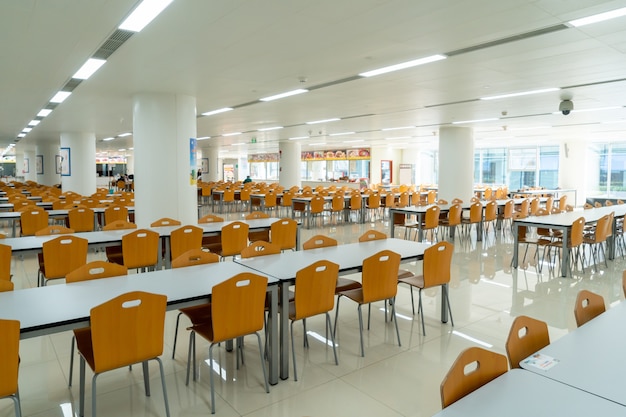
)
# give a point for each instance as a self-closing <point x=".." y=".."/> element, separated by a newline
<point x="353" y="141"/>
<point x="204" y="138"/>
<point x="399" y="137"/>
<point x="131" y="149"/>
<point x="598" y="17"/>
<point x="44" y="112"/>
<point x="108" y="139"/>
<point x="522" y="93"/>
<point x="323" y="121"/>
<point x="21" y="135"/>
<point x="403" y="65"/>
<point x="60" y="97"/>
<point x="299" y="138"/>
<point x="123" y="135"/>
<point x="397" y="128"/>
<point x="270" y="128"/>
<point x="222" y="110"/>
<point x="144" y="14"/>
<point x="317" y="144"/>
<point x="27" y="129"/>
<point x="34" y="122"/>
<point x="283" y="95"/>
<point x="121" y="150"/>
<point x="92" y="65"/>
<point x="238" y="144"/>
<point x="342" y="133"/>
<point x="475" y="121"/>
<point x="231" y="134"/>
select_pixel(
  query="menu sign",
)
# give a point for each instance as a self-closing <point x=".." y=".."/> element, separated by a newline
<point x="263" y="157"/>
<point x="334" y="155"/>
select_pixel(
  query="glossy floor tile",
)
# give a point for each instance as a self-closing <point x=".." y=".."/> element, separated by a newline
<point x="486" y="294"/>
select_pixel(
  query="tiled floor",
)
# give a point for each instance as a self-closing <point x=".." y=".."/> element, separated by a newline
<point x="486" y="294"/>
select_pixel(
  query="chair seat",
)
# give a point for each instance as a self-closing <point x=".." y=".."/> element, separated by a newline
<point x="346" y="284"/>
<point x="198" y="314"/>
<point x="405" y="273"/>
<point x="114" y="254"/>
<point x="415" y="280"/>
<point x="204" y="329"/>
<point x="355" y="295"/>
<point x="85" y="346"/>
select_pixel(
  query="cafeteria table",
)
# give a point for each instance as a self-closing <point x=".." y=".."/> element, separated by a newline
<point x="349" y="257"/>
<point x="591" y="357"/>
<point x="518" y="393"/>
<point x="61" y="307"/>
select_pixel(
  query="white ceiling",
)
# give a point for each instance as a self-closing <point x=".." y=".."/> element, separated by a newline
<point x="233" y="52"/>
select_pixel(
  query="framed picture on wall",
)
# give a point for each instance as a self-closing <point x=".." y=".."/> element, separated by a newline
<point x="205" y="165"/>
<point x="26" y="166"/>
<point x="65" y="163"/>
<point x="39" y="164"/>
<point x="57" y="163"/>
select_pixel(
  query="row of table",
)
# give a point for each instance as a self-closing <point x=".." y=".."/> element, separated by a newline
<point x="61" y="307"/>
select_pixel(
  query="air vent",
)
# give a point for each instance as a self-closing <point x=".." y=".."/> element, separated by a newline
<point x="507" y="40"/>
<point x="71" y="84"/>
<point x="112" y="44"/>
<point x="619" y="80"/>
<point x="341" y="81"/>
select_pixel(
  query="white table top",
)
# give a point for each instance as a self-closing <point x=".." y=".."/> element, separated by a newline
<point x="591" y="358"/>
<point x="59" y="307"/>
<point x="518" y="393"/>
<point x="566" y="219"/>
<point x="349" y="256"/>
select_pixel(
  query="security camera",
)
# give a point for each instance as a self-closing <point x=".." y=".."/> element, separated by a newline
<point x="566" y="107"/>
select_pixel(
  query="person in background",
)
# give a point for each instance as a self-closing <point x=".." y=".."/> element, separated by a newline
<point x="248" y="179"/>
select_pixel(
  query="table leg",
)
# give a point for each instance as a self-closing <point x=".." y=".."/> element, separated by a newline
<point x="565" y="253"/>
<point x="284" y="330"/>
<point x="273" y="335"/>
<point x="515" y="245"/>
<point x="444" y="303"/>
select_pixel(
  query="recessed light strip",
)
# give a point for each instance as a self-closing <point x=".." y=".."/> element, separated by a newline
<point x="144" y="14"/>
<point x="267" y="129"/>
<point x="218" y="111"/>
<point x="89" y="68"/>
<point x="598" y="17"/>
<point x="522" y="93"/>
<point x="283" y="95"/>
<point x="404" y="65"/>
<point x="323" y="121"/>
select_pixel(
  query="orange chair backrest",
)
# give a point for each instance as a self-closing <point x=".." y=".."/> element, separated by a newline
<point x="10" y="354"/>
<point x="437" y="262"/>
<point x="283" y="233"/>
<point x="588" y="306"/>
<point x="257" y="215"/>
<point x="115" y="212"/>
<point x="317" y="204"/>
<point x="270" y="199"/>
<point x="476" y="212"/>
<point x="127" y="329"/>
<point x="5" y="286"/>
<point x="64" y="254"/>
<point x="185" y="238"/>
<point x="96" y="270"/>
<point x="229" y="195"/>
<point x="527" y="336"/>
<point x="454" y="215"/>
<point x="193" y="257"/>
<point x="315" y="289"/>
<point x="380" y="276"/>
<point x="32" y="221"/>
<point x="431" y="196"/>
<point x="491" y="211"/>
<point x="238" y="306"/>
<point x="373" y="201"/>
<point x="211" y="218"/>
<point x="119" y="225"/>
<point x="81" y="219"/>
<point x="140" y="248"/>
<point x="458" y="382"/>
<point x="508" y="209"/>
<point x="285" y="200"/>
<point x="372" y="235"/>
<point x="165" y="221"/>
<point x="234" y="238"/>
<point x="338" y="202"/>
<point x="356" y="201"/>
<point x="5" y="262"/>
<point x="319" y="241"/>
<point x="431" y="220"/>
<point x="260" y="248"/>
<point x="562" y="202"/>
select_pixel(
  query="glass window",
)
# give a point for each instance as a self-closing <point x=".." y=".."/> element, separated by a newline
<point x="549" y="167"/>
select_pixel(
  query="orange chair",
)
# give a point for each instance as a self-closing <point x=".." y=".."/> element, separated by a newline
<point x="61" y="256"/>
<point x="10" y="362"/>
<point x="284" y="233"/>
<point x="140" y="249"/>
<point x="234" y="239"/>
<point x="319" y="241"/>
<point x="379" y="283"/>
<point x="6" y="286"/>
<point x="458" y="382"/>
<point x="32" y="220"/>
<point x="165" y="221"/>
<point x="212" y="243"/>
<point x="81" y="219"/>
<point x="115" y="212"/>
<point x="87" y="272"/>
<point x="314" y="295"/>
<point x="527" y="336"/>
<point x="125" y="330"/>
<point x="588" y="306"/>
<point x="255" y="235"/>
<point x="260" y="248"/>
<point x="184" y="239"/>
<point x="237" y="310"/>
<point x="200" y="313"/>
<point x="436" y="273"/>
<point x="6" y="252"/>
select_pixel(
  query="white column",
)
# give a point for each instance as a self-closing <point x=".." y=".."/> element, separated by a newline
<point x="456" y="163"/>
<point x="80" y="170"/>
<point x="575" y="172"/>
<point x="28" y="164"/>
<point x="212" y="156"/>
<point x="45" y="160"/>
<point x="162" y="127"/>
<point x="289" y="164"/>
<point x="130" y="163"/>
